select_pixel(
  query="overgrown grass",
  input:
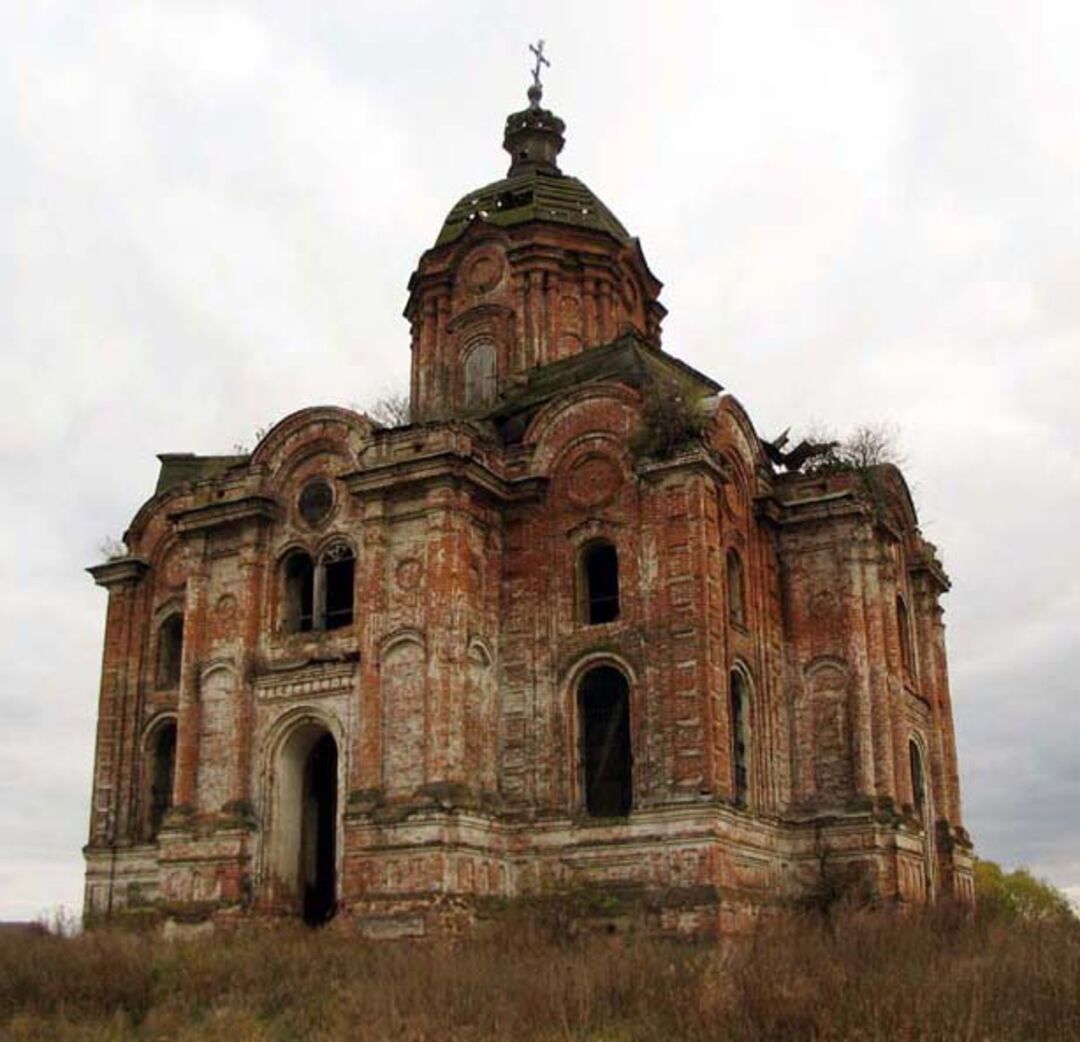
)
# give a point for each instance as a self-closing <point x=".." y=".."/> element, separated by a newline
<point x="863" y="976"/>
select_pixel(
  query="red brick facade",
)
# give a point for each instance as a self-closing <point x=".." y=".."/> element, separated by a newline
<point x="548" y="649"/>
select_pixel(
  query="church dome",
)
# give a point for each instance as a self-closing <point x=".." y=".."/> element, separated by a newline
<point x="527" y="271"/>
<point x="532" y="195"/>
<point x="534" y="189"/>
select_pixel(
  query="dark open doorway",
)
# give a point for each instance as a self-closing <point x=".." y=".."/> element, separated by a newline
<point x="318" y="832"/>
<point x="604" y="709"/>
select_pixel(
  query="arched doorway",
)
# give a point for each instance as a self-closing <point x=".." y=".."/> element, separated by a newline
<point x="607" y="761"/>
<point x="306" y="821"/>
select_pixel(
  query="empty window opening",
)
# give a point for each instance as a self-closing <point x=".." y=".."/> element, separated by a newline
<point x="604" y="711"/>
<point x="514" y="200"/>
<point x="170" y="647"/>
<point x="339" y="568"/>
<point x="736" y="589"/>
<point x="318" y="832"/>
<point x="918" y="781"/>
<point x="299" y="593"/>
<point x="162" y="773"/>
<point x="319" y="596"/>
<point x="907" y="651"/>
<point x="600" y="579"/>
<point x="480" y="378"/>
<point x="740" y="739"/>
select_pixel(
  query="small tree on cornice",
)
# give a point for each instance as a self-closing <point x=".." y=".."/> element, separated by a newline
<point x="672" y="416"/>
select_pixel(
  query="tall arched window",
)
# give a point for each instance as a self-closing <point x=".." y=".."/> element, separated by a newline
<point x="604" y="712"/>
<point x="907" y="650"/>
<point x="170" y="646"/>
<point x="598" y="578"/>
<point x="920" y="799"/>
<point x="161" y="771"/>
<point x="740" y="738"/>
<point x="338" y="565"/>
<point x="736" y="588"/>
<point x="480" y="376"/>
<point x="299" y="593"/>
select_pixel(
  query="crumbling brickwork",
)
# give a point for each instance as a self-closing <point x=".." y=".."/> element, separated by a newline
<point x="528" y="641"/>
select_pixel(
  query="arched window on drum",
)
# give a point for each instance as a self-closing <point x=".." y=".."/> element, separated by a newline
<point x="480" y="375"/>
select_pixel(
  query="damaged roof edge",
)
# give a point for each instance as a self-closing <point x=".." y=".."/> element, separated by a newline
<point x="180" y="467"/>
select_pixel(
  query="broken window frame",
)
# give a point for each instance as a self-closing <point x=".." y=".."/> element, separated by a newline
<point x="298" y="592"/>
<point x="319" y="594"/>
<point x="337" y="568"/>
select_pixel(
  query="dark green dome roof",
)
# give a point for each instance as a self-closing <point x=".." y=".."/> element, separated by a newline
<point x="534" y="189"/>
<point x="533" y="194"/>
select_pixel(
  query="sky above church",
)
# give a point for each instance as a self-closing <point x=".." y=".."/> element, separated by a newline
<point x="862" y="212"/>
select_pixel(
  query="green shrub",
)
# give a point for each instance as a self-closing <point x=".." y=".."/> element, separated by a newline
<point x="1018" y="896"/>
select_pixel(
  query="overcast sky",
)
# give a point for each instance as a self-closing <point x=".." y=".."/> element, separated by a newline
<point x="861" y="211"/>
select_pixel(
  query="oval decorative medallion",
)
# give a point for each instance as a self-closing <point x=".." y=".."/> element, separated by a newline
<point x="483" y="272"/>
<point x="225" y="609"/>
<point x="594" y="480"/>
<point x="409" y="572"/>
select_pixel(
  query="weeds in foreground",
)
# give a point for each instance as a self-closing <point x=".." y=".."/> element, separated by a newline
<point x="869" y="976"/>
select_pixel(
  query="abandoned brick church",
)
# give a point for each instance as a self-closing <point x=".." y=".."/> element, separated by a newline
<point x="574" y="624"/>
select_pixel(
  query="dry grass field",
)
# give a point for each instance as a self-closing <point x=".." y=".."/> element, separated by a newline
<point x="859" y="976"/>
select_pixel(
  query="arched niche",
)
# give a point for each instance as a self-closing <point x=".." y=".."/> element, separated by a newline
<point x="830" y="726"/>
<point x="216" y="777"/>
<point x="480" y="374"/>
<point x="402" y="685"/>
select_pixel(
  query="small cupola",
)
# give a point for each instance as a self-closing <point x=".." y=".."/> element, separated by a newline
<point x="533" y="137"/>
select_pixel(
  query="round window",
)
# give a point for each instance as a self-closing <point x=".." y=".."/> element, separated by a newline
<point x="316" y="501"/>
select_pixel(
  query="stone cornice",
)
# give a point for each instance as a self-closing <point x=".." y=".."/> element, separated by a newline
<point x="308" y="680"/>
<point x="118" y="571"/>
<point x="693" y="457"/>
<point x="926" y="564"/>
<point x="814" y="509"/>
<point x="226" y="512"/>
<point x="447" y="466"/>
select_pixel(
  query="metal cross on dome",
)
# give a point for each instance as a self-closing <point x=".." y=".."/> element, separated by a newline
<point x="538" y="51"/>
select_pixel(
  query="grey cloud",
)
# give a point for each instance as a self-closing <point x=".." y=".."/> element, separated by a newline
<point x="210" y="214"/>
